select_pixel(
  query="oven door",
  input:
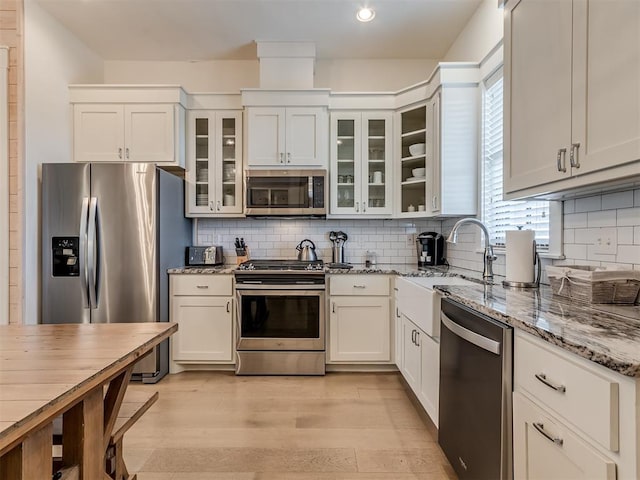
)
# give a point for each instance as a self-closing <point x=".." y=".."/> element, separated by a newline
<point x="281" y="319"/>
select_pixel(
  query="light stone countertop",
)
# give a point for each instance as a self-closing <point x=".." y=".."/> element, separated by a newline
<point x="605" y="334"/>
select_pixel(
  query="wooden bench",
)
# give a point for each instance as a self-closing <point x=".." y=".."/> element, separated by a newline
<point x="134" y="405"/>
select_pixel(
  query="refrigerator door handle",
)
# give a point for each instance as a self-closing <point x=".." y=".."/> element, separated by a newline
<point x="83" y="252"/>
<point x="92" y="249"/>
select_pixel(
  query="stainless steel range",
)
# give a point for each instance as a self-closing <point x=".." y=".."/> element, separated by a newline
<point x="281" y="317"/>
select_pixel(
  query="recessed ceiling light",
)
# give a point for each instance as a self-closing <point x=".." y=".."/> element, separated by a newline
<point x="366" y="14"/>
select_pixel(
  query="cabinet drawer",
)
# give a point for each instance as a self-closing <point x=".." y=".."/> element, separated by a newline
<point x="544" y="447"/>
<point x="577" y="393"/>
<point x="359" y="285"/>
<point x="202" y="285"/>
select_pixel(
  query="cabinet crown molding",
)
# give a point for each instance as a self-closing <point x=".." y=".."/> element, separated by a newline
<point x="104" y="93"/>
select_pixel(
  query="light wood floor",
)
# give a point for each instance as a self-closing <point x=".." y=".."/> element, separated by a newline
<point x="210" y="425"/>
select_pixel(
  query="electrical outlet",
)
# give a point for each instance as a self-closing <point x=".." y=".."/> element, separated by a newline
<point x="411" y="239"/>
<point x="606" y="241"/>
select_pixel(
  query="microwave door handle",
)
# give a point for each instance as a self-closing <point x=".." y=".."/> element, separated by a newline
<point x="84" y="212"/>
<point x="310" y="191"/>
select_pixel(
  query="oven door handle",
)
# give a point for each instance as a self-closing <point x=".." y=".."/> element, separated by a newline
<point x="262" y="286"/>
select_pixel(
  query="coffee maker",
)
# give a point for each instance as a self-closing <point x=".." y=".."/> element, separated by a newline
<point x="430" y="249"/>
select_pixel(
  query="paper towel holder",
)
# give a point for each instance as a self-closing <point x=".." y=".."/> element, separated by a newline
<point x="534" y="284"/>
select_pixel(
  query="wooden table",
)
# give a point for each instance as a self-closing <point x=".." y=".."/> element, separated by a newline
<point x="48" y="370"/>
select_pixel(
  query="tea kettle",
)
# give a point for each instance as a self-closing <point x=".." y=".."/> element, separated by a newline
<point x="307" y="252"/>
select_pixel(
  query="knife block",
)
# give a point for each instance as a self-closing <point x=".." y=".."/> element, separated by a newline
<point x="242" y="258"/>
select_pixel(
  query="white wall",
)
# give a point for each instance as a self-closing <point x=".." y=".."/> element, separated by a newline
<point x="54" y="58"/>
<point x="206" y="76"/>
<point x="483" y="32"/>
<point x="376" y="75"/>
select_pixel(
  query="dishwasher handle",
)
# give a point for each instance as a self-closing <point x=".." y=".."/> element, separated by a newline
<point x="472" y="337"/>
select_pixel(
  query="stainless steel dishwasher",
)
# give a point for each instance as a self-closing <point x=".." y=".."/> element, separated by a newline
<point x="476" y="378"/>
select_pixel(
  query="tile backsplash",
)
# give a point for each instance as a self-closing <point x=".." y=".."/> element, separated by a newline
<point x="609" y="218"/>
<point x="391" y="240"/>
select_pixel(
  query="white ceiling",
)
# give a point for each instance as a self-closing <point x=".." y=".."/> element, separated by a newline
<point x="174" y="30"/>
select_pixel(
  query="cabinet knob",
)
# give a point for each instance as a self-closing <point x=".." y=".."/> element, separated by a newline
<point x="573" y="156"/>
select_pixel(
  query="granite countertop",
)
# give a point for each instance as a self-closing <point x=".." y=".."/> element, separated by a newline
<point x="605" y="334"/>
<point x="220" y="269"/>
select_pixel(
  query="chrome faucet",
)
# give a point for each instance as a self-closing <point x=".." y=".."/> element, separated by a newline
<point x="489" y="257"/>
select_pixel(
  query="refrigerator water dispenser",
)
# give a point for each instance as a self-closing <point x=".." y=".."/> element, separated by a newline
<point x="65" y="251"/>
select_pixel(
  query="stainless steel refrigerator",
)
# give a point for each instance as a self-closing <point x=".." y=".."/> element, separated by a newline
<point x="109" y="234"/>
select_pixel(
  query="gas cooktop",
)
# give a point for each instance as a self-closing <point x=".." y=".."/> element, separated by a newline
<point x="282" y="266"/>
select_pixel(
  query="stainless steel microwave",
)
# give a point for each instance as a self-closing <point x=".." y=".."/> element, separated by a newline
<point x="286" y="193"/>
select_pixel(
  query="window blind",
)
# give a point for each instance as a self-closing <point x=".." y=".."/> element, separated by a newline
<point x="500" y="215"/>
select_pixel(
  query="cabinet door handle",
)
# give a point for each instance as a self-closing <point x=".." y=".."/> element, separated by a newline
<point x="228" y="307"/>
<point x="281" y="157"/>
<point x="288" y="157"/>
<point x="540" y="428"/>
<point x="120" y="153"/>
<point x="333" y="307"/>
<point x="364" y="207"/>
<point x="573" y="156"/>
<point x="543" y="378"/>
<point x="218" y="205"/>
<point x="126" y="153"/>
<point x="359" y="286"/>
<point x="417" y="338"/>
<point x="357" y="206"/>
<point x="202" y="286"/>
<point x="397" y="313"/>
<point x="434" y="202"/>
<point x="413" y="337"/>
<point x="562" y="152"/>
<point x="211" y="205"/>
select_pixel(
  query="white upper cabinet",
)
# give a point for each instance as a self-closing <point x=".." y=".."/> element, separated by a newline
<point x="438" y="166"/>
<point x="287" y="137"/>
<point x="572" y="93"/>
<point x="361" y="163"/>
<point x="128" y="124"/>
<point x="214" y="163"/>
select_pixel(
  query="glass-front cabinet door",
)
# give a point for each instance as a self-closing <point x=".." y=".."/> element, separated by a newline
<point x="361" y="163"/>
<point x="214" y="163"/>
<point x="415" y="163"/>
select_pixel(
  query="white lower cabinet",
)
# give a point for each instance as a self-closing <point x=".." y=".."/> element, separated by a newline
<point x="544" y="448"/>
<point x="359" y="319"/>
<point x="202" y="306"/>
<point x="572" y="418"/>
<point x="359" y="329"/>
<point x="421" y="366"/>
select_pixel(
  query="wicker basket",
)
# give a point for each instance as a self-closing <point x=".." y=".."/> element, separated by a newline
<point x="594" y="284"/>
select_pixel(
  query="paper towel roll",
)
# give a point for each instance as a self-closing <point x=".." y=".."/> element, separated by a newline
<point x="520" y="256"/>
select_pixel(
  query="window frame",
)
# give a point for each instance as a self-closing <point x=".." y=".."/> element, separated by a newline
<point x="489" y="77"/>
